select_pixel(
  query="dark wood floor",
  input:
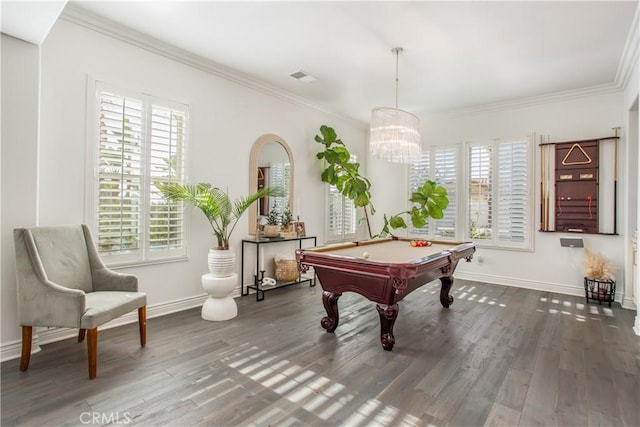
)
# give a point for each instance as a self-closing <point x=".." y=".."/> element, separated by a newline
<point x="498" y="356"/>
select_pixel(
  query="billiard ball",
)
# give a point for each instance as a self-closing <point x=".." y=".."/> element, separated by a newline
<point x="365" y="255"/>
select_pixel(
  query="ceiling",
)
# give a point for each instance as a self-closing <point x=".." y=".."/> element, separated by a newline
<point x="457" y="55"/>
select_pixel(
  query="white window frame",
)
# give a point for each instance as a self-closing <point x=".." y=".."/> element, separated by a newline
<point x="346" y="204"/>
<point x="144" y="254"/>
<point x="494" y="241"/>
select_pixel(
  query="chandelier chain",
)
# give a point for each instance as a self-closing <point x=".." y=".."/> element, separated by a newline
<point x="397" y="51"/>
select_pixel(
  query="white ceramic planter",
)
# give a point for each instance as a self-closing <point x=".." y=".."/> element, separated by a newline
<point x="222" y="262"/>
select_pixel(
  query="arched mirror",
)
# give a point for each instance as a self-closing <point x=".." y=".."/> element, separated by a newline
<point x="270" y="165"/>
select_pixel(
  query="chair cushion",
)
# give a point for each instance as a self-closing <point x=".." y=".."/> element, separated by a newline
<point x="102" y="307"/>
<point x="63" y="253"/>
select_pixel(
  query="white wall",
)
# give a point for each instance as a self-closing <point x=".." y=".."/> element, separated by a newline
<point x="20" y="85"/>
<point x="226" y="119"/>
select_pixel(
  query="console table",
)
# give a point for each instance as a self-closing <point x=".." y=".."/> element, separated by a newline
<point x="258" y="278"/>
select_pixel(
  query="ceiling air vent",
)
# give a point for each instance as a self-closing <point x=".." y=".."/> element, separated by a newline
<point x="303" y="76"/>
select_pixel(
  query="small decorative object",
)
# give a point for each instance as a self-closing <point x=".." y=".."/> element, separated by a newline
<point x="271" y="227"/>
<point x="287" y="225"/>
<point x="300" y="230"/>
<point x="598" y="283"/>
<point x="286" y="267"/>
<point x="286" y="219"/>
<point x="596" y="266"/>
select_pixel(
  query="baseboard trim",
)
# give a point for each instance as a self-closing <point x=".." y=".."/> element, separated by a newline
<point x="527" y="284"/>
<point x="628" y="303"/>
<point x="13" y="349"/>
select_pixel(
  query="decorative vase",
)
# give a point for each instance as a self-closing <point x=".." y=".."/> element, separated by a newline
<point x="271" y="230"/>
<point x="222" y="262"/>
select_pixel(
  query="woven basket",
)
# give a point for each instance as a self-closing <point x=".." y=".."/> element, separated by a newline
<point x="286" y="270"/>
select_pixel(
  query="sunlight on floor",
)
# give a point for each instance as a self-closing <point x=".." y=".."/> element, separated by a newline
<point x="594" y="310"/>
<point x="464" y="292"/>
<point x="306" y="390"/>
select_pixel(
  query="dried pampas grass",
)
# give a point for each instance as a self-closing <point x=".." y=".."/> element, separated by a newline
<point x="596" y="266"/>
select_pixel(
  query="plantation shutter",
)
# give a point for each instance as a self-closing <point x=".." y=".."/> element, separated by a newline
<point x="480" y="192"/>
<point x="341" y="215"/>
<point x="279" y="177"/>
<point x="141" y="142"/>
<point x="166" y="165"/>
<point x="512" y="191"/>
<point x="445" y="173"/>
<point x="120" y="173"/>
<point x="440" y="165"/>
<point x="419" y="172"/>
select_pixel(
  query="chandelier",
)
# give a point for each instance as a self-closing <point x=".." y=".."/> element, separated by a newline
<point x="394" y="134"/>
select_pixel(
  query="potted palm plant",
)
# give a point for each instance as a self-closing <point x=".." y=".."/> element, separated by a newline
<point x="222" y="214"/>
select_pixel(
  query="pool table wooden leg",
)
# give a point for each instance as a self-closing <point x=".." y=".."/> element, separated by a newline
<point x="445" y="299"/>
<point x="388" y="315"/>
<point x="330" y="302"/>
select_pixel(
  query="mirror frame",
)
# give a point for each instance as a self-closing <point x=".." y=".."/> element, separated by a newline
<point x="253" y="173"/>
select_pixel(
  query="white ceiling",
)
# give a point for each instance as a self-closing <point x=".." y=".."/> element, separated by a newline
<point x="456" y="54"/>
<point x="29" y="20"/>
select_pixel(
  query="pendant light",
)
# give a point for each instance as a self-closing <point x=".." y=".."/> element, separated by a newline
<point x="394" y="134"/>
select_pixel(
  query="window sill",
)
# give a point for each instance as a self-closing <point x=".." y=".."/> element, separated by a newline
<point x="480" y="245"/>
<point x="130" y="264"/>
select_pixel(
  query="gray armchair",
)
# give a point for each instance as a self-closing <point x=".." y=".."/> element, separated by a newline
<point x="62" y="282"/>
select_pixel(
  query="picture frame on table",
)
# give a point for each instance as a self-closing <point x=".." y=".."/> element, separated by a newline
<point x="300" y="229"/>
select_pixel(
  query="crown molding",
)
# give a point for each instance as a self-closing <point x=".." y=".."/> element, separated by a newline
<point x="629" y="58"/>
<point x="86" y="19"/>
<point x="535" y="100"/>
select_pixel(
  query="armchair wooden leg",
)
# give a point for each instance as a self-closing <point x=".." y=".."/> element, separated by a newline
<point x="81" y="335"/>
<point x="92" y="351"/>
<point x="142" y="324"/>
<point x="27" y="334"/>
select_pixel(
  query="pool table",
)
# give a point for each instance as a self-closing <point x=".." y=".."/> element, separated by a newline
<point x="383" y="271"/>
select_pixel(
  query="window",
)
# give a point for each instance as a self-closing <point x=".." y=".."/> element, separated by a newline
<point x="341" y="215"/>
<point x="141" y="141"/>
<point x="439" y="164"/>
<point x="498" y="194"/>
<point x="279" y="177"/>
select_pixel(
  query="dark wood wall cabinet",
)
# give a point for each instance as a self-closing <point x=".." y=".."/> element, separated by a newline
<point x="574" y="196"/>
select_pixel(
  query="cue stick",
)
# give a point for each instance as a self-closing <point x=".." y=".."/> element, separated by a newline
<point x="549" y="155"/>
<point x="615" y="181"/>
<point x="541" y="186"/>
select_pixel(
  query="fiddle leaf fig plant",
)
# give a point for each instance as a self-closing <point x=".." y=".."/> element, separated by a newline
<point x="429" y="200"/>
<point x="342" y="172"/>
